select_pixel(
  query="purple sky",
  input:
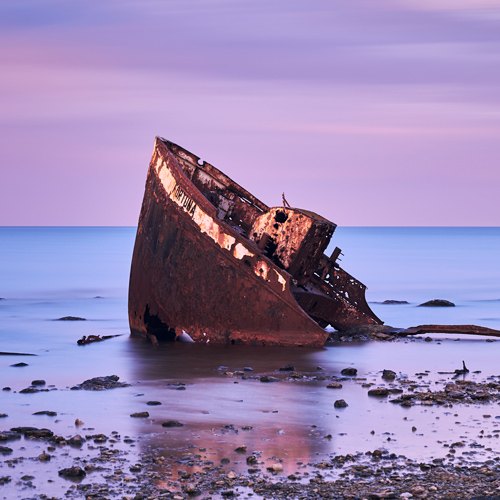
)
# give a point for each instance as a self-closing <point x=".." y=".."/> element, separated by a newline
<point x="369" y="113"/>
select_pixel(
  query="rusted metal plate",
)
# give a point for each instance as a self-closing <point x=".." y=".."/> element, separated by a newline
<point x="198" y="268"/>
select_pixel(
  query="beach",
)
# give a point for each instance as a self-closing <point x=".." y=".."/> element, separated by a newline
<point x="248" y="422"/>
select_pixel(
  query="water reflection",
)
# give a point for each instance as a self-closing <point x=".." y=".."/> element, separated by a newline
<point x="290" y="420"/>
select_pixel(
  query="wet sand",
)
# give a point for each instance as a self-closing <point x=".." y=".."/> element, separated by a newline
<point x="241" y="427"/>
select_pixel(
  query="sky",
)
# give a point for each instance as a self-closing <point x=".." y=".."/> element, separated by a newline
<point x="381" y="113"/>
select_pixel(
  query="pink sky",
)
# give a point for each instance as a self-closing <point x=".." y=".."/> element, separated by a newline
<point x="369" y="113"/>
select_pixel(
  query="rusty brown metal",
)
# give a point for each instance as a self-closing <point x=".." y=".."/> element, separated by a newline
<point x="450" y="329"/>
<point x="212" y="261"/>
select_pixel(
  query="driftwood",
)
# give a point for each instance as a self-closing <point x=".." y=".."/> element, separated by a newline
<point x="459" y="329"/>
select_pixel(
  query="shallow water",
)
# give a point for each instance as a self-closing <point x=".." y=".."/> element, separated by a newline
<point x="48" y="273"/>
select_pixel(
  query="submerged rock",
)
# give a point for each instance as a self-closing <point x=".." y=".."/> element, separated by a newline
<point x="340" y="403"/>
<point x="172" y="423"/>
<point x="100" y="384"/>
<point x="70" y="318"/>
<point x="437" y="303"/>
<point x="379" y="391"/>
<point x="33" y="432"/>
<point x="370" y="330"/>
<point x="395" y="302"/>
<point x="73" y="472"/>
<point x="350" y="372"/>
<point x="140" y="414"/>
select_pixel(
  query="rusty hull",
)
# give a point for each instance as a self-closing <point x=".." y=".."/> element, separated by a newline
<point x="212" y="261"/>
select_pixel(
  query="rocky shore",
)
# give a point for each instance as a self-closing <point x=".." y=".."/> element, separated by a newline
<point x="94" y="465"/>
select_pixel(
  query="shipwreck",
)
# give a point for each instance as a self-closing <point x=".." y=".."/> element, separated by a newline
<point x="214" y="263"/>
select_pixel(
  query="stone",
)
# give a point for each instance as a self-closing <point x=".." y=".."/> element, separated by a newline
<point x="70" y="318"/>
<point x="340" y="403"/>
<point x="437" y="303"/>
<point x="379" y="391"/>
<point x="140" y="414"/>
<point x="153" y="403"/>
<point x="334" y="385"/>
<point x="33" y="432"/>
<point x="287" y="368"/>
<point x="172" y="423"/>
<point x="73" y="472"/>
<point x="38" y="382"/>
<point x="100" y="384"/>
<point x="350" y="372"/>
<point x="76" y="440"/>
<point x="388" y="375"/>
<point x="267" y="378"/>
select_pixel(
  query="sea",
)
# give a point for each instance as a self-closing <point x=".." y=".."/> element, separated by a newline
<point x="47" y="273"/>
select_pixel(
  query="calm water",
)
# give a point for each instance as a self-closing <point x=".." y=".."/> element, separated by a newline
<point x="47" y="273"/>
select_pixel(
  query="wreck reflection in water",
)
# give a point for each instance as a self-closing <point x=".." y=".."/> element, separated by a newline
<point x="291" y="419"/>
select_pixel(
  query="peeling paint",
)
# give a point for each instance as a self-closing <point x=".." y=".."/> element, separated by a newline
<point x="281" y="279"/>
<point x="241" y="251"/>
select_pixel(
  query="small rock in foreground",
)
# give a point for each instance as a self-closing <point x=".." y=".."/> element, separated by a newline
<point x="100" y="384"/>
<point x="350" y="372"/>
<point x="73" y="472"/>
<point x="379" y="391"/>
<point x="172" y="423"/>
<point x="140" y="414"/>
